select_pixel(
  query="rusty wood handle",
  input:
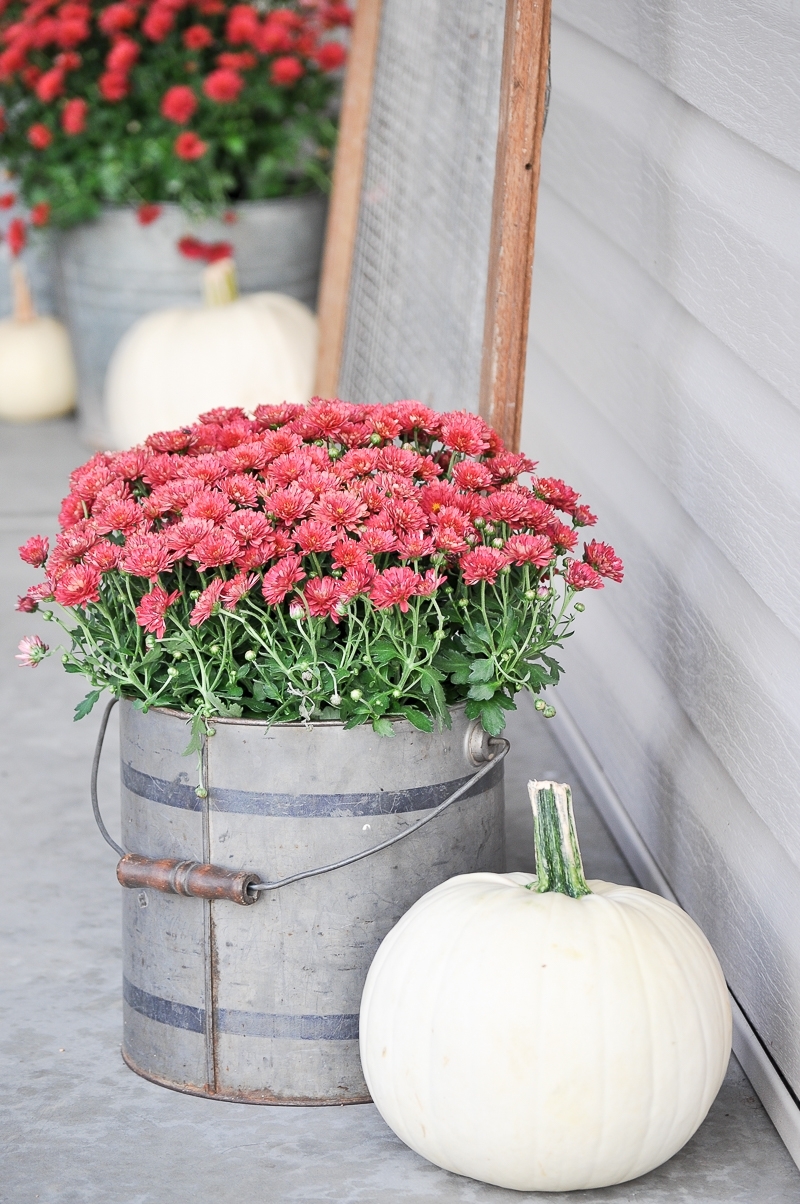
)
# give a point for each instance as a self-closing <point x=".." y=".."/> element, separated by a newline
<point x="190" y="878"/>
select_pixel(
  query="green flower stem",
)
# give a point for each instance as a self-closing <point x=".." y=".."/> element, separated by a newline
<point x="558" y="856"/>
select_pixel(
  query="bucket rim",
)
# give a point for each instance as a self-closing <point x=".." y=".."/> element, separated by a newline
<point x="215" y="719"/>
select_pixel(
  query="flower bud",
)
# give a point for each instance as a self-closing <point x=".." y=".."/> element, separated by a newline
<point x="201" y="792"/>
<point x="335" y="700"/>
<point x="194" y="594"/>
<point x="215" y="650"/>
<point x="579" y="606"/>
<point x="530" y="595"/>
<point x="356" y="695"/>
<point x="172" y="671"/>
<point x="540" y="704"/>
<point x="250" y="655"/>
<point x="549" y="712"/>
<point x="396" y="694"/>
<point x="308" y="675"/>
<point x="47" y="615"/>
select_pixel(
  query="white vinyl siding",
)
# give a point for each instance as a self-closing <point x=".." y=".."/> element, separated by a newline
<point x="664" y="383"/>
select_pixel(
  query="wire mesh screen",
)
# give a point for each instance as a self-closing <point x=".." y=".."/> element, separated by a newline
<point x="418" y="284"/>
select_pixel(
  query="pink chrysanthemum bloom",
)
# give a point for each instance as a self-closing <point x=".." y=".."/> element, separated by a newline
<point x="240" y="489"/>
<point x="78" y="585"/>
<point x="314" y="536"/>
<point x="246" y="457"/>
<point x="348" y="554"/>
<point x="121" y="515"/>
<point x="35" y="550"/>
<point x="482" y="564"/>
<point x="151" y="611"/>
<point x="430" y="583"/>
<point x="146" y="555"/>
<point x="405" y="516"/>
<point x="401" y="460"/>
<point x="208" y="468"/>
<point x="291" y="503"/>
<point x="87" y="481"/>
<point x="322" y="595"/>
<point x="468" y="474"/>
<point x="208" y="603"/>
<point x="280" y="579"/>
<point x="32" y="649"/>
<point x="359" y="462"/>
<point x="248" y="527"/>
<point x="413" y="415"/>
<point x="210" y="504"/>
<point x="129" y="465"/>
<point x="170" y="441"/>
<point x="529" y="549"/>
<point x="72" y="511"/>
<point x="506" y="507"/>
<point x="237" y="588"/>
<point x="105" y="556"/>
<point x="562" y="496"/>
<point x="465" y="433"/>
<point x="216" y="548"/>
<point x="395" y="587"/>
<point x="582" y="576"/>
<point x="26" y="604"/>
<point x="507" y="466"/>
<point x="604" y="560"/>
<point x="358" y="580"/>
<point x="184" y="536"/>
<point x="161" y="468"/>
<point x="562" y="536"/>
<point x="583" y="517"/>
<point x="376" y="540"/>
<point x="341" y="510"/>
<point x="414" y="546"/>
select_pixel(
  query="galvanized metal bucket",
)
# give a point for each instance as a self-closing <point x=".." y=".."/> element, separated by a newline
<point x="260" y="1003"/>
<point x="113" y="271"/>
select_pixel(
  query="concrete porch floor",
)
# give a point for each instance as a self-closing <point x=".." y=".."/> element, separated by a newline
<point x="77" y="1126"/>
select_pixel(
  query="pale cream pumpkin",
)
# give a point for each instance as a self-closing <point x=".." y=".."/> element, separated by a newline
<point x="545" y="1034"/>
<point x="173" y="365"/>
<point x="37" y="371"/>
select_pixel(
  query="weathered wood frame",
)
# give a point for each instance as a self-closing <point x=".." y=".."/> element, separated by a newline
<point x="526" y="50"/>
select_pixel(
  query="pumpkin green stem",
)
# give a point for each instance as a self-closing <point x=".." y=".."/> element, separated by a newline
<point x="220" y="286"/>
<point x="558" y="855"/>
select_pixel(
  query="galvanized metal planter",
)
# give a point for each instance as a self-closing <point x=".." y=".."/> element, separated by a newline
<point x="112" y="271"/>
<point x="260" y="1003"/>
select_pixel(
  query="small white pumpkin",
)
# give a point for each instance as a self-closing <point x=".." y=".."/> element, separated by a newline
<point x="173" y="365"/>
<point x="37" y="371"/>
<point x="545" y="1034"/>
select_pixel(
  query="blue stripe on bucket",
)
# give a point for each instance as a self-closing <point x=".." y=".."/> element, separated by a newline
<point x="302" y="806"/>
<point x="274" y="1026"/>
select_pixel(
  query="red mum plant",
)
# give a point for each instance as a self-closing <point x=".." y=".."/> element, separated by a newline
<point x="320" y="561"/>
<point x="254" y="86"/>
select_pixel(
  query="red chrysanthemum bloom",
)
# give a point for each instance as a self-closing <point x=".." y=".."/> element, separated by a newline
<point x="188" y="146"/>
<point x="117" y="17"/>
<point x="223" y="85"/>
<point x="7" y="200"/>
<point x="40" y="136"/>
<point x="290" y="504"/>
<point x="216" y="548"/>
<point x="603" y="559"/>
<point x="556" y="493"/>
<point x="76" y="541"/>
<point x="248" y="527"/>
<point x="178" y="104"/>
<point x="376" y="540"/>
<point x="582" y="576"/>
<point x="208" y="603"/>
<point x="240" y="489"/>
<point x="183" y="537"/>
<point x="341" y="510"/>
<point x="78" y="585"/>
<point x="314" y="536"/>
<point x="129" y="465"/>
<point x="395" y="587"/>
<point x="330" y="56"/>
<point x="280" y="579"/>
<point x="73" y="26"/>
<point x="151" y="613"/>
<point x="243" y="25"/>
<point x="26" y="604"/>
<point x="208" y="503"/>
<point x="50" y="85"/>
<point x="507" y="466"/>
<point x="105" y="556"/>
<point x="124" y="514"/>
<point x="198" y="37"/>
<point x="286" y="71"/>
<point x="35" y="550"/>
<point x="482" y="564"/>
<point x="146" y="556"/>
<point x="207" y="468"/>
<point x="358" y="462"/>
<point x="91" y="477"/>
<point x="113" y="86"/>
<point x="123" y="55"/>
<point x="170" y="441"/>
<point x="468" y="474"/>
<point x="358" y="579"/>
<point x="507" y="507"/>
<point x="583" y="517"/>
<point x="466" y="433"/>
<point x="236" y="62"/>
<point x="71" y="512"/>
<point x="322" y="595"/>
<point x="348" y="554"/>
<point x="40" y="214"/>
<point x="529" y="549"/>
<point x="237" y="588"/>
<point x="414" y="545"/>
<point x="274" y="38"/>
<point x="147" y="213"/>
<point x="159" y="22"/>
<point x="451" y="536"/>
<point x="562" y="536"/>
<point x="16" y="236"/>
<point x="430" y="583"/>
<point x="246" y="457"/>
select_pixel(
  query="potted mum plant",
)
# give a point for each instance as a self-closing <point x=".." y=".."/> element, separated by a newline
<point x="330" y="608"/>
<point x="128" y="120"/>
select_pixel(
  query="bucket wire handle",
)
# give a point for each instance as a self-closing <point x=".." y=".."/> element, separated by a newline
<point x="503" y="747"/>
<point x="101" y="735"/>
<point x="248" y="890"/>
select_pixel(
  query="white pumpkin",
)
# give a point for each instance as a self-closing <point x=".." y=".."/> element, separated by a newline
<point x="545" y="1034"/>
<point x="173" y="365"/>
<point x="37" y="371"/>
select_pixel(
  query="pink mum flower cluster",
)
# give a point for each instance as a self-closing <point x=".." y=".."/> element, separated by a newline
<point x="317" y="504"/>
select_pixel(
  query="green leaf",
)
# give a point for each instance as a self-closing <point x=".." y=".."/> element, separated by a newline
<point x="490" y="715"/>
<point x="473" y="645"/>
<point x="483" y="690"/>
<point x="265" y="689"/>
<point x="418" y="718"/>
<point x="482" y="670"/>
<point x="383" y="727"/>
<point x="383" y="652"/>
<point x="450" y="660"/>
<point x="83" y="708"/>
